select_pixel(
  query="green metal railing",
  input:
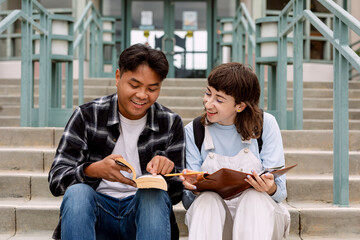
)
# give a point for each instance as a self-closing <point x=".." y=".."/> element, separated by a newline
<point x="91" y="20"/>
<point x="244" y="36"/>
<point x="37" y="42"/>
<point x="239" y="38"/>
<point x="343" y="58"/>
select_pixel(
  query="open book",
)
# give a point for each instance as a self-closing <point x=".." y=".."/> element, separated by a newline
<point x="228" y="182"/>
<point x="144" y="181"/>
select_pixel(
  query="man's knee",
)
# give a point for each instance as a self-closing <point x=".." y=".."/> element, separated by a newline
<point x="79" y="196"/>
<point x="153" y="197"/>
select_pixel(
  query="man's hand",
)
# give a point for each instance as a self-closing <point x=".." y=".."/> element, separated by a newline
<point x="265" y="183"/>
<point x="109" y="170"/>
<point x="160" y="165"/>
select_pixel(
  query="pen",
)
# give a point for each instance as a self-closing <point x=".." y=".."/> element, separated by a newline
<point x="181" y="174"/>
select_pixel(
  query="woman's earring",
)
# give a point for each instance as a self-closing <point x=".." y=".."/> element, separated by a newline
<point x="239" y="110"/>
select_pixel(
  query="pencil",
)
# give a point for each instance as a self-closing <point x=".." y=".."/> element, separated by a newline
<point x="181" y="174"/>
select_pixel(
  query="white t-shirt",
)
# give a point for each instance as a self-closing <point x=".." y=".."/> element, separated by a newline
<point x="126" y="146"/>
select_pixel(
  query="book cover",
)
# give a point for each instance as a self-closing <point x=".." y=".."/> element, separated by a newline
<point x="228" y="182"/>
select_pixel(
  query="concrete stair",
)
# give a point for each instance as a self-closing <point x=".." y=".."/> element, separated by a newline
<point x="184" y="96"/>
<point x="28" y="211"/>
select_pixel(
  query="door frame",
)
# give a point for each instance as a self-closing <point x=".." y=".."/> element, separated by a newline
<point x="169" y="29"/>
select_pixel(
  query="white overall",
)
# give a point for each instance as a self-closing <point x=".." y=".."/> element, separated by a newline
<point x="252" y="216"/>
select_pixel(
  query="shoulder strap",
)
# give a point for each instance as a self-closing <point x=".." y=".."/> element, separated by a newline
<point x="199" y="132"/>
<point x="259" y="140"/>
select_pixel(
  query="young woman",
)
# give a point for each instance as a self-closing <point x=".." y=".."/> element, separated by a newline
<point x="233" y="122"/>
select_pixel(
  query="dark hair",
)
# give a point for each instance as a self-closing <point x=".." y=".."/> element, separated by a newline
<point x="240" y="82"/>
<point x="139" y="54"/>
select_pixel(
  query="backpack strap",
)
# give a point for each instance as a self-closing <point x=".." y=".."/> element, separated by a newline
<point x="259" y="140"/>
<point x="199" y="133"/>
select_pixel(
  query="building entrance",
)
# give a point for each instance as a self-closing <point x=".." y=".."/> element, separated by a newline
<point x="181" y="29"/>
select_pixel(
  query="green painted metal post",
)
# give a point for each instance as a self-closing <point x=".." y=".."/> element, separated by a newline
<point x="26" y="101"/>
<point x="341" y="117"/>
<point x="250" y="46"/>
<point x="169" y="38"/>
<point x="272" y="90"/>
<point x="81" y="66"/>
<point x="92" y="57"/>
<point x="44" y="64"/>
<point x="298" y="68"/>
<point x="282" y="75"/>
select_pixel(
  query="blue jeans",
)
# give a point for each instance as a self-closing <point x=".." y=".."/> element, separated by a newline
<point x="87" y="214"/>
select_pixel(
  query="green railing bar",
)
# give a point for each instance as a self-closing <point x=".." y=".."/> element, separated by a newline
<point x="290" y="26"/>
<point x="18" y="14"/>
<point x="248" y="17"/>
<point x="82" y="16"/>
<point x="82" y="32"/>
<point x="287" y="9"/>
<point x="39" y="7"/>
<point x="297" y="120"/>
<point x="341" y="118"/>
<point x="345" y="16"/>
<point x="10" y="19"/>
<point x="345" y="50"/>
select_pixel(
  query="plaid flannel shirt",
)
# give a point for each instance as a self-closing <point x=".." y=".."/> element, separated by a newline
<point x="92" y="131"/>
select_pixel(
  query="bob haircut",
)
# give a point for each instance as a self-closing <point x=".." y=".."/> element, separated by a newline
<point x="242" y="84"/>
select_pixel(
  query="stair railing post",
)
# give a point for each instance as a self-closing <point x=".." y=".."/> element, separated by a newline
<point x="27" y="100"/>
<point x="341" y="117"/>
<point x="81" y="53"/>
<point x="281" y="100"/>
<point x="298" y="67"/>
<point x="266" y="53"/>
<point x="44" y="70"/>
<point x="92" y="59"/>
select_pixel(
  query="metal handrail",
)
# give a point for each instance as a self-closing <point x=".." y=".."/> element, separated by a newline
<point x="344" y="56"/>
<point x="89" y="20"/>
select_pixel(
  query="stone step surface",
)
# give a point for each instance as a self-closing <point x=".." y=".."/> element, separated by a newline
<point x="308" y="219"/>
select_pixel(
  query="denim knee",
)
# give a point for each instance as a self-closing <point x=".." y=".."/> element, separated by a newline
<point x="79" y="197"/>
<point x="153" y="198"/>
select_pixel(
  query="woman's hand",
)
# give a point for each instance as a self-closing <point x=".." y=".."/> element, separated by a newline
<point x="189" y="180"/>
<point x="263" y="183"/>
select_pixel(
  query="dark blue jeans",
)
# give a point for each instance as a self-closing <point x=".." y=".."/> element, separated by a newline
<point x="87" y="214"/>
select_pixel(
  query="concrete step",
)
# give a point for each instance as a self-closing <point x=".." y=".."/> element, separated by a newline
<point x="10" y="100"/>
<point x="26" y="159"/>
<point x="318" y="188"/>
<point x="326" y="114"/>
<point x="31" y="185"/>
<point x="27" y="185"/>
<point x="309" y="220"/>
<point x="312" y="124"/>
<point x="24" y="137"/>
<point x="9" y="121"/>
<point x="313" y="163"/>
<point x="313" y="114"/>
<point x="10" y="110"/>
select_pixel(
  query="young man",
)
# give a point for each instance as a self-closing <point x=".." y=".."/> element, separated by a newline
<point x="100" y="202"/>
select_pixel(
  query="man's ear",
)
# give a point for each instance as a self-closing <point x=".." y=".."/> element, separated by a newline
<point x="117" y="77"/>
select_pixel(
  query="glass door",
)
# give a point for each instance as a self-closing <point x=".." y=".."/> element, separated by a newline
<point x="181" y="29"/>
